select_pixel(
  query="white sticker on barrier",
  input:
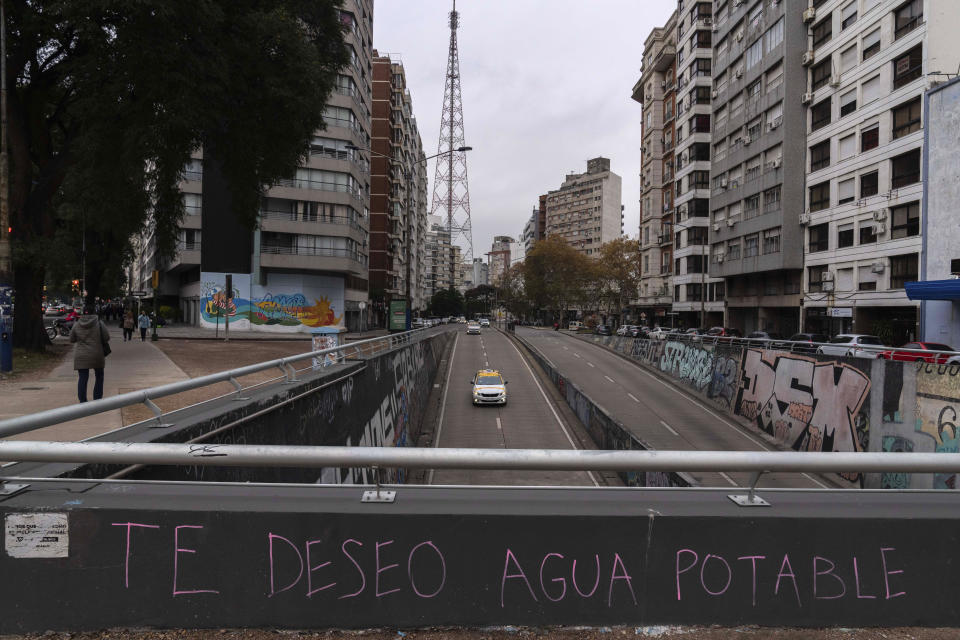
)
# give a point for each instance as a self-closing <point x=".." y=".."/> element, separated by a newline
<point x="37" y="535"/>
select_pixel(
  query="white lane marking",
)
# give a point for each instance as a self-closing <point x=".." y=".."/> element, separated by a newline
<point x="592" y="365"/>
<point x="728" y="478"/>
<point x="443" y="405"/>
<point x="566" y="349"/>
<point x="669" y="428"/>
<point x="550" y="404"/>
<point x="499" y="426"/>
<point x="633" y="397"/>
<point x="610" y="379"/>
<point x="577" y="354"/>
<point x="718" y="417"/>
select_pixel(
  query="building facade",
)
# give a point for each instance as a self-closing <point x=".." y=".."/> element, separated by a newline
<point x="398" y="185"/>
<point x="438" y="249"/>
<point x="499" y="257"/>
<point x="586" y="210"/>
<point x="306" y="264"/>
<point x="758" y="132"/>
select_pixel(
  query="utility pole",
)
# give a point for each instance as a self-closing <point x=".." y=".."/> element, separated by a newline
<point x="6" y="254"/>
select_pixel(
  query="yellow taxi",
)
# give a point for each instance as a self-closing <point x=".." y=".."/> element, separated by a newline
<point x="489" y="387"/>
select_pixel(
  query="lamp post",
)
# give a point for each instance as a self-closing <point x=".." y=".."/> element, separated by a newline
<point x="703" y="272"/>
<point x="409" y="179"/>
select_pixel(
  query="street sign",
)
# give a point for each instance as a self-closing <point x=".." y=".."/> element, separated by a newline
<point x="139" y="294"/>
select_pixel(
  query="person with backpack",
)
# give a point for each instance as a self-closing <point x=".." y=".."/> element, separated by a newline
<point x="91" y="347"/>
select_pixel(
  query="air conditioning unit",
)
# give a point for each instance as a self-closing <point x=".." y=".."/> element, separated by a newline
<point x="809" y="14"/>
<point x="731" y="222"/>
<point x="877" y="267"/>
<point x="880" y="215"/>
<point x="747" y="139"/>
<point x="807" y="58"/>
<point x="739" y="35"/>
<point x="713" y="94"/>
<point x="827" y="276"/>
<point x="776" y="163"/>
<point x="826" y="286"/>
<point x="738" y="73"/>
<point x="879" y="228"/>
<point x="804" y="218"/>
<point x="659" y="239"/>
<point x="723" y="182"/>
<point x="771" y="126"/>
<point x="806" y="98"/>
<point x="663" y="84"/>
<point x="708" y="21"/>
<point x="716" y="226"/>
<point x="719" y="257"/>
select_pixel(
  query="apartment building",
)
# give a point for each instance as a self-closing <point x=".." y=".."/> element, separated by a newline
<point x="656" y="91"/>
<point x="437" y="258"/>
<point x="397" y="193"/>
<point x="869" y="64"/>
<point x="306" y="264"/>
<point x="758" y="159"/>
<point x="698" y="299"/>
<point x="500" y="257"/>
<point x="535" y="227"/>
<point x="586" y="210"/>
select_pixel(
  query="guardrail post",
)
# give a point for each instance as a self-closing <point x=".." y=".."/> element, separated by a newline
<point x="157" y="413"/>
<point x="380" y="495"/>
<point x="751" y="499"/>
<point x="239" y="388"/>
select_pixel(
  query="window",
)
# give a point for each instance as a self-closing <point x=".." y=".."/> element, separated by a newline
<point x="869" y="138"/>
<point x="751" y="207"/>
<point x="701" y="95"/>
<point x="753" y="129"/>
<point x="848" y="59"/>
<point x="773" y="36"/>
<point x="908" y="67"/>
<point x="723" y="47"/>
<point x="699" y="180"/>
<point x="907" y="18"/>
<point x="848" y="103"/>
<point x="905" y="169"/>
<point x="867" y="279"/>
<point x="847" y="147"/>
<point x="820" y="74"/>
<point x="820" y="155"/>
<point x="903" y="269"/>
<point x="698" y="208"/>
<point x="820" y="115"/>
<point x="771" y="199"/>
<point x="846" y="191"/>
<point x="771" y="241"/>
<point x="869" y="184"/>
<point x="819" y="238"/>
<point x="751" y="246"/>
<point x="774" y="114"/>
<point x="696" y="236"/>
<point x="868" y="233"/>
<point x="700" y="123"/>
<point x="700" y="67"/>
<point x="733" y="249"/>
<point x="753" y="90"/>
<point x="906" y="221"/>
<point x="848" y="15"/>
<point x="774" y="77"/>
<point x="871" y="89"/>
<point x="700" y="40"/>
<point x="822" y="31"/>
<point x="820" y="196"/>
<point x="753" y="54"/>
<point x="871" y="44"/>
<point x="815" y="278"/>
<point x="906" y="118"/>
<point x="845" y="235"/>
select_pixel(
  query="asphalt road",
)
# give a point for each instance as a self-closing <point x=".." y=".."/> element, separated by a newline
<point x="527" y="421"/>
<point x="654" y="410"/>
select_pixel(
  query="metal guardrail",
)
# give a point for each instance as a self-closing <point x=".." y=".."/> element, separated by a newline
<point x="29" y="422"/>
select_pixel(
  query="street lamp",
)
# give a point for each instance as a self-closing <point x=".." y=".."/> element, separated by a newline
<point x="703" y="267"/>
<point x="409" y="176"/>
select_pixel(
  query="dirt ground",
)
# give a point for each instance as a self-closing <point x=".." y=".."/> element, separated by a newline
<point x="513" y="633"/>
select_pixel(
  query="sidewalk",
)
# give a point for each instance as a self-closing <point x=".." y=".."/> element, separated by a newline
<point x="130" y="366"/>
<point x="191" y="332"/>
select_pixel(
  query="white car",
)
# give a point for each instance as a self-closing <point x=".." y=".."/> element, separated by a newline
<point x="660" y="333"/>
<point x="473" y="328"/>
<point x="489" y="387"/>
<point x="484" y="322"/>
<point x="853" y="344"/>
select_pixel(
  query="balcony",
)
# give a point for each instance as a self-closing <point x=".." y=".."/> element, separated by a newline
<point x="665" y="57"/>
<point x="309" y="258"/>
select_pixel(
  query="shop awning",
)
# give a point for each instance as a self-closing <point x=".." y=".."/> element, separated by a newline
<point x="934" y="290"/>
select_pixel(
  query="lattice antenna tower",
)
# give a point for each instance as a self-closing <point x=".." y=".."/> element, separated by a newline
<point x="451" y="193"/>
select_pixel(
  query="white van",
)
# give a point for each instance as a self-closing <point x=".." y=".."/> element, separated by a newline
<point x="575" y="325"/>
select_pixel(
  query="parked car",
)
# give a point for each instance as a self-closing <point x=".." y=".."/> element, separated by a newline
<point x="765" y="339"/>
<point x="624" y="330"/>
<point x="602" y="330"/>
<point x="853" y="344"/>
<point x="806" y="342"/>
<point x="692" y="334"/>
<point x="901" y="354"/>
<point x="574" y="325"/>
<point x="724" y="332"/>
<point x="661" y="333"/>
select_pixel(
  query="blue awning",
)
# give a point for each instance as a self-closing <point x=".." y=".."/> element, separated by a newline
<point x="934" y="290"/>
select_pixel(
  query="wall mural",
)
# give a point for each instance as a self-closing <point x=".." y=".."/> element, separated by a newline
<point x="938" y="412"/>
<point x="286" y="303"/>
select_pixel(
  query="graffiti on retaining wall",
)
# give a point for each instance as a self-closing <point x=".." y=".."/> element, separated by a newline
<point x="938" y="412"/>
<point x="707" y="370"/>
<point x="808" y="405"/>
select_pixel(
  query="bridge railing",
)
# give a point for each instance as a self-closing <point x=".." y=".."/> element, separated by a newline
<point x="339" y="354"/>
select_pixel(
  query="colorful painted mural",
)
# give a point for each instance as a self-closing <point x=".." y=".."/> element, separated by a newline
<point x="284" y="303"/>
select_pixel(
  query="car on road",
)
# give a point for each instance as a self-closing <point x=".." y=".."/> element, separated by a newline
<point x="661" y="333"/>
<point x="916" y="350"/>
<point x="473" y="328"/>
<point x="489" y="387"/>
<point x="854" y="344"/>
<point x="602" y="330"/>
<point x="806" y="342"/>
<point x="484" y="322"/>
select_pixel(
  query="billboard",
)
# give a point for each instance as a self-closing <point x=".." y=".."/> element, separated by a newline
<point x="398" y="315"/>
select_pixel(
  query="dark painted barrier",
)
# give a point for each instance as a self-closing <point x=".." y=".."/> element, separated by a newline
<point x="605" y="430"/>
<point x="94" y="557"/>
<point x="818" y="402"/>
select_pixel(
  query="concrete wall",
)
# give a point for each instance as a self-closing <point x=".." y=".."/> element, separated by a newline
<point x="819" y="403"/>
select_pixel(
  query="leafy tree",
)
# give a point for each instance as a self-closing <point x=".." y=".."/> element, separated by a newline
<point x="446" y="303"/>
<point x="108" y="100"/>
<point x="617" y="275"/>
<point x="511" y="294"/>
<point x="555" y="276"/>
<point x="479" y="300"/>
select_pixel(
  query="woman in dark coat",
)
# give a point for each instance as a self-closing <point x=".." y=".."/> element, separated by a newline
<point x="89" y="336"/>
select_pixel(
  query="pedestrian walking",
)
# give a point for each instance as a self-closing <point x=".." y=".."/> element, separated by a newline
<point x="144" y="323"/>
<point x="90" y="338"/>
<point x="128" y="326"/>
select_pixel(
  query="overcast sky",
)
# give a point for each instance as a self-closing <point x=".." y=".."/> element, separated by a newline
<point x="546" y="85"/>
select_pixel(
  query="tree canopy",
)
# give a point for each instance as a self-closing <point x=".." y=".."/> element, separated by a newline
<point x="108" y="100"/>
